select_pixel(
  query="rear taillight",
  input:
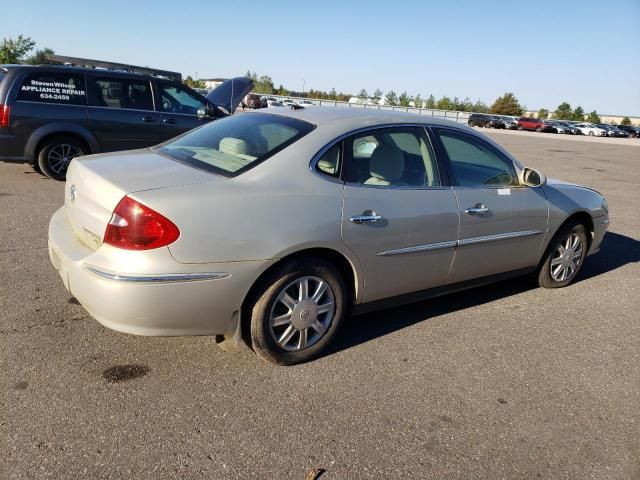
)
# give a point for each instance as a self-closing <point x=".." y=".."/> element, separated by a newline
<point x="4" y="116"/>
<point x="134" y="226"/>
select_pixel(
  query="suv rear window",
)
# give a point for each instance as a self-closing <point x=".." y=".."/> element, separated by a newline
<point x="235" y="144"/>
<point x="121" y="93"/>
<point x="54" y="87"/>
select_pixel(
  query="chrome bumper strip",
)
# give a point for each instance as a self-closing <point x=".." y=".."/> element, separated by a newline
<point x="459" y="243"/>
<point x="154" y="278"/>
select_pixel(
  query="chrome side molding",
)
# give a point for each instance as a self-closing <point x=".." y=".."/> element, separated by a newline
<point x="153" y="278"/>
<point x="459" y="243"/>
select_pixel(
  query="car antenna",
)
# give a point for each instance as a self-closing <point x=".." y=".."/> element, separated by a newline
<point x="231" y="99"/>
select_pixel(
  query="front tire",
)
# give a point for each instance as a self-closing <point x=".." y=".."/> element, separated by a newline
<point x="56" y="154"/>
<point x="298" y="312"/>
<point x="564" y="257"/>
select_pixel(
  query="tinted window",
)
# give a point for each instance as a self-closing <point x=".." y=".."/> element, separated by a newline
<point x="65" y="88"/>
<point x="121" y="93"/>
<point x="394" y="157"/>
<point x="176" y="99"/>
<point x="474" y="162"/>
<point x="235" y="144"/>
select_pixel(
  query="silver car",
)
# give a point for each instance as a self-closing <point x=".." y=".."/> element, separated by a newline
<point x="271" y="228"/>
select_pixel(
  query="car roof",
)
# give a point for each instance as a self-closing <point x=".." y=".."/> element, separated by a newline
<point x="359" y="116"/>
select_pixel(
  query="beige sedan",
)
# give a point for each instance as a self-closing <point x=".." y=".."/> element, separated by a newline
<point x="271" y="228"/>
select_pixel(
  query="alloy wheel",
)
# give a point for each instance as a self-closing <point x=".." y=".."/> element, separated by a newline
<point x="567" y="257"/>
<point x="60" y="156"/>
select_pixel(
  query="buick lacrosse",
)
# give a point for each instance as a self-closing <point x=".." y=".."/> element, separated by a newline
<point x="270" y="228"/>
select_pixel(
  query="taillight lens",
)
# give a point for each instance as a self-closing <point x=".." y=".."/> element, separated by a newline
<point x="4" y="116"/>
<point x="134" y="226"/>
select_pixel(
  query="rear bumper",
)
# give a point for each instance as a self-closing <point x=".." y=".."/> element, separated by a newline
<point x="162" y="297"/>
<point x="11" y="148"/>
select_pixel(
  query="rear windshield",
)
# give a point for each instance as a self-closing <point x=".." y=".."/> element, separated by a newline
<point x="235" y="144"/>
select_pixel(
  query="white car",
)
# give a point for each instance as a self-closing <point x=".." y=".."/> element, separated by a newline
<point x="274" y="103"/>
<point x="591" y="129"/>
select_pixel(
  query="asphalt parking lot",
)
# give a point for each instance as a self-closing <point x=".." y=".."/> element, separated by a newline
<point x="505" y="381"/>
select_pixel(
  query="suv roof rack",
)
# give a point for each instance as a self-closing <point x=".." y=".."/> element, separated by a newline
<point x="87" y="62"/>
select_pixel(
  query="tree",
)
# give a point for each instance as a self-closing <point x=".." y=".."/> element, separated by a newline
<point x="417" y="101"/>
<point x="11" y="51"/>
<point x="543" y="113"/>
<point x="391" y="98"/>
<point x="626" y="121"/>
<point x="264" y="84"/>
<point x="444" y="103"/>
<point x="403" y="99"/>
<point x="430" y="102"/>
<point x="40" y="56"/>
<point x="507" y="104"/>
<point x="578" y="114"/>
<point x="363" y="96"/>
<point x="333" y="94"/>
<point x="190" y="82"/>
<point x="563" y="112"/>
<point x="594" y="117"/>
<point x="377" y="95"/>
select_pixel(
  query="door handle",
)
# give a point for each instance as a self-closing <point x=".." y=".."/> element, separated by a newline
<point x="170" y="121"/>
<point x="477" y="210"/>
<point x="148" y="119"/>
<point x="371" y="218"/>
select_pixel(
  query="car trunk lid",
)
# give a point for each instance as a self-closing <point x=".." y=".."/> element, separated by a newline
<point x="95" y="184"/>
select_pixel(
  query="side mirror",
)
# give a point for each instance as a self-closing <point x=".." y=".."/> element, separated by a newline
<point x="202" y="112"/>
<point x="532" y="178"/>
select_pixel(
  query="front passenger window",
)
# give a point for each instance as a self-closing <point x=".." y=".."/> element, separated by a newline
<point x="475" y="162"/>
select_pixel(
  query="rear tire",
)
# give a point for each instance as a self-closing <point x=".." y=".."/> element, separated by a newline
<point x="564" y="256"/>
<point x="538" y="129"/>
<point x="56" y="154"/>
<point x="591" y="134"/>
<point x="292" y="323"/>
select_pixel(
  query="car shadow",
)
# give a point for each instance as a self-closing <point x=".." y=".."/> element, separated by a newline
<point x="616" y="251"/>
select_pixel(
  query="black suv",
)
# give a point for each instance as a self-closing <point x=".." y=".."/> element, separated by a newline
<point x="634" y="132"/>
<point x="50" y="114"/>
<point x="484" y="120"/>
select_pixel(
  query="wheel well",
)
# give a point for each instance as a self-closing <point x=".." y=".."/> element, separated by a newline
<point x="580" y="217"/>
<point x="337" y="259"/>
<point x="44" y="139"/>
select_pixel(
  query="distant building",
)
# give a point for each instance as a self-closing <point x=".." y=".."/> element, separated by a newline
<point x="212" y="82"/>
<point x="605" y="118"/>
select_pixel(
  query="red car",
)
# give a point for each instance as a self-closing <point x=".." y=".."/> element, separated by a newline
<point x="530" y="123"/>
<point x="253" y="101"/>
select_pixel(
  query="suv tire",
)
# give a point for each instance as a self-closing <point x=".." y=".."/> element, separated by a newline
<point x="57" y="152"/>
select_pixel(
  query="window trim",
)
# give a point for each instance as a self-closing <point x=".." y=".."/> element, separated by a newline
<point x="442" y="172"/>
<point x="442" y="152"/>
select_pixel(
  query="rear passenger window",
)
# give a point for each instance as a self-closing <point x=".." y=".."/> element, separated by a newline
<point x="121" y="93"/>
<point x="394" y="157"/>
<point x="64" y="88"/>
<point x="329" y="162"/>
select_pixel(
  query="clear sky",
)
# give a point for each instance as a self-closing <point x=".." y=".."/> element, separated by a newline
<point x="584" y="52"/>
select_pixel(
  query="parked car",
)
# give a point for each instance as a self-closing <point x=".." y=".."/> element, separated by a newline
<point x="306" y="103"/>
<point x="253" y="101"/>
<point x="510" y="123"/>
<point x="535" y="124"/>
<point x="54" y="113"/>
<point x="308" y="215"/>
<point x="569" y="127"/>
<point x="274" y="103"/>
<point x="591" y="129"/>
<point x="556" y="127"/>
<point x="485" y="120"/>
<point x="613" y="131"/>
<point x="634" y="132"/>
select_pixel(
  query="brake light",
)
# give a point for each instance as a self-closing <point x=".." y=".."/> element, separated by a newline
<point x="4" y="116"/>
<point x="134" y="226"/>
